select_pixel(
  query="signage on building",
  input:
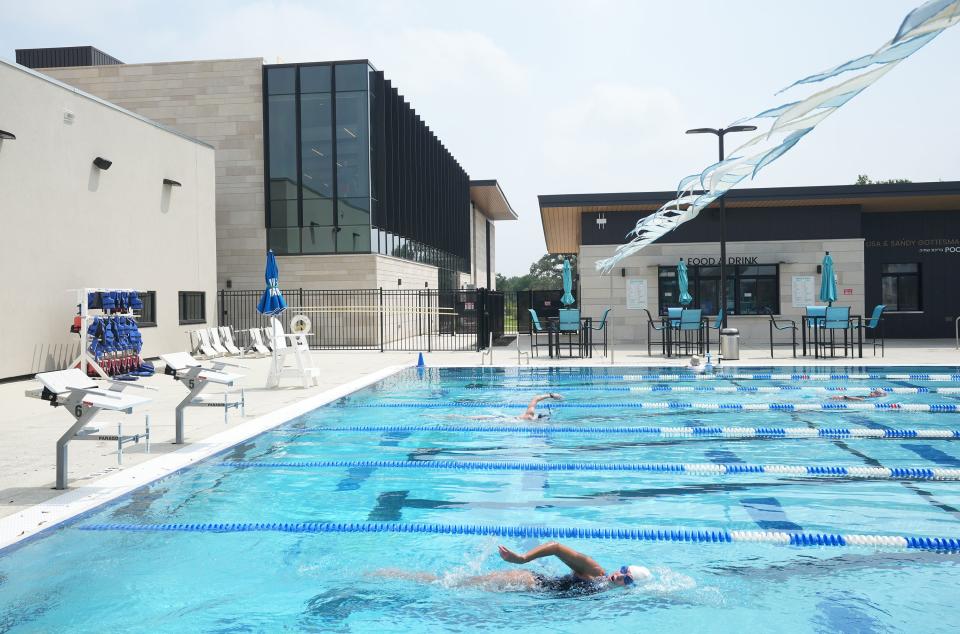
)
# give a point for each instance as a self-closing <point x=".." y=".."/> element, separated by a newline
<point x="930" y="245"/>
<point x="636" y="293"/>
<point x="716" y="261"/>
<point x="803" y="288"/>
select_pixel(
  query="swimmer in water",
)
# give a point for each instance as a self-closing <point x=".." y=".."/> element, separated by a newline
<point x="877" y="393"/>
<point x="695" y="365"/>
<point x="531" y="413"/>
<point x="586" y="576"/>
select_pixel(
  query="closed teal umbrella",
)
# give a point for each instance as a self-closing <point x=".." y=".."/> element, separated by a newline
<point x="567" y="298"/>
<point x="828" y="281"/>
<point x="684" y="283"/>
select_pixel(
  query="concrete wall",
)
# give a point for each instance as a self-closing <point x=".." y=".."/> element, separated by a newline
<point x="479" y="265"/>
<point x="69" y="225"/>
<point x="795" y="257"/>
<point x="219" y="102"/>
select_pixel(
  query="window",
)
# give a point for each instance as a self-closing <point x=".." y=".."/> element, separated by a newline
<point x="901" y="287"/>
<point x="148" y="316"/>
<point x="751" y="289"/>
<point x="193" y="309"/>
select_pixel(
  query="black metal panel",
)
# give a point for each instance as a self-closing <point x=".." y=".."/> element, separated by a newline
<point x="929" y="238"/>
<point x="743" y="225"/>
<point x="64" y="56"/>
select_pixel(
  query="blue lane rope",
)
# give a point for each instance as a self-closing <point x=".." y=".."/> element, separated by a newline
<point x="693" y="536"/>
<point x="760" y="376"/>
<point x="867" y="473"/>
<point x="670" y="432"/>
<point x="932" y="408"/>
<point x="718" y="389"/>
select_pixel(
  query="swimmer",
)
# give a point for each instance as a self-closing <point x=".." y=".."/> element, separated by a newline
<point x="531" y="413"/>
<point x="695" y="365"/>
<point x="586" y="576"/>
<point x="877" y="393"/>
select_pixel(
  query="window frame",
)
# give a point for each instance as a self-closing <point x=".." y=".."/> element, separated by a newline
<point x="182" y="296"/>
<point x="918" y="275"/>
<point x="734" y="275"/>
<point x="142" y="322"/>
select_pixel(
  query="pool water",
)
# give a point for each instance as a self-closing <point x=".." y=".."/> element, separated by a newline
<point x="82" y="580"/>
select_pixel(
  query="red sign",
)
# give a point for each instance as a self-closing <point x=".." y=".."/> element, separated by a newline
<point x="848" y="291"/>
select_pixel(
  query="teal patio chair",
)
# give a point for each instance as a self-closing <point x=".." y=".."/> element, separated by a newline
<point x="876" y="326"/>
<point x="812" y="320"/>
<point x="690" y="322"/>
<point x="569" y="324"/>
<point x="537" y="330"/>
<point x="837" y="318"/>
<point x="717" y="325"/>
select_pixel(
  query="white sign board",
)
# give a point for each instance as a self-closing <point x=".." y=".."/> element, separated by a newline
<point x="804" y="290"/>
<point x="636" y="293"/>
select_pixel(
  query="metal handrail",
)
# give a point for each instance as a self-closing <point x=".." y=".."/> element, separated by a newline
<point x="488" y="351"/>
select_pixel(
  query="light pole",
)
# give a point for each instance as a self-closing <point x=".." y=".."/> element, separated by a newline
<point x="723" y="212"/>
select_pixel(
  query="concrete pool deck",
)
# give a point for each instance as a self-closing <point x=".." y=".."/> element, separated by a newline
<point x="30" y="427"/>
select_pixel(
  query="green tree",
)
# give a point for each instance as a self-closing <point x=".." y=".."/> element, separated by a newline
<point x="545" y="274"/>
<point x="863" y="179"/>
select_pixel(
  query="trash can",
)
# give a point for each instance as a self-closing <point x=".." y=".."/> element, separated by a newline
<point x="730" y="343"/>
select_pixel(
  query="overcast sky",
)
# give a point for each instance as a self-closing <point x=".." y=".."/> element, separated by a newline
<point x="557" y="97"/>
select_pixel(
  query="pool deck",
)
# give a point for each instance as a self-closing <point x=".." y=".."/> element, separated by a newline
<point x="30" y="427"/>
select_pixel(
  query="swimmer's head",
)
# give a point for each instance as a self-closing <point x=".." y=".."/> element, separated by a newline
<point x="629" y="575"/>
<point x="694" y="360"/>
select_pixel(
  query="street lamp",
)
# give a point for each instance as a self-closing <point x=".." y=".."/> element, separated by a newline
<point x="723" y="212"/>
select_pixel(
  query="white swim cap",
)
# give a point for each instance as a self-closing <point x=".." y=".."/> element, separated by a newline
<point x="639" y="573"/>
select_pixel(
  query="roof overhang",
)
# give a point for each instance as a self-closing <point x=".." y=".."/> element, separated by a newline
<point x="491" y="201"/>
<point x="560" y="214"/>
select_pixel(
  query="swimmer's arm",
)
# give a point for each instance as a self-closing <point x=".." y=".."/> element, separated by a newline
<point x="577" y="562"/>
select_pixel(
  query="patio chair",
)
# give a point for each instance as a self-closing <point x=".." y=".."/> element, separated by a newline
<point x="875" y="325"/>
<point x="717" y="325"/>
<point x="836" y="318"/>
<point x="226" y="338"/>
<point x="204" y="346"/>
<point x="811" y="323"/>
<point x="652" y="327"/>
<point x="783" y="325"/>
<point x="256" y="342"/>
<point x="214" y="334"/>
<point x="689" y="322"/>
<point x="536" y="329"/>
<point x="569" y="324"/>
<point x="602" y="326"/>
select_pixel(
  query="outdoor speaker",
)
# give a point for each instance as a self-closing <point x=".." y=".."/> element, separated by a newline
<point x="102" y="163"/>
<point x="171" y="182"/>
<point x="7" y="136"/>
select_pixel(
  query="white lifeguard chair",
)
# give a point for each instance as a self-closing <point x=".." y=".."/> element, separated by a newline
<point x="84" y="399"/>
<point x="297" y="347"/>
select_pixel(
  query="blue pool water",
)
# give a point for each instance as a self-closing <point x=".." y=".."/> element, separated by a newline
<point x="303" y="579"/>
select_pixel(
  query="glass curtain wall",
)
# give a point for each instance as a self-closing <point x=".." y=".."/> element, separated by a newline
<point x="318" y="158"/>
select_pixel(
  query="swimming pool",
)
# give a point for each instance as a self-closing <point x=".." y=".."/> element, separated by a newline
<point x="288" y="530"/>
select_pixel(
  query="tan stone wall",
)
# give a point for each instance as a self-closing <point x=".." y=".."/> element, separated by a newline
<point x="796" y="257"/>
<point x="219" y="102"/>
<point x="414" y="276"/>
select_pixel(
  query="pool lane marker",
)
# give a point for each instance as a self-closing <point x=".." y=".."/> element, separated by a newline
<point x="704" y="469"/>
<point x="666" y="432"/>
<point x="933" y="408"/>
<point x="722" y="389"/>
<point x="693" y="536"/>
<point x="760" y="376"/>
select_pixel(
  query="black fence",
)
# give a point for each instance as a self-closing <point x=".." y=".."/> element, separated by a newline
<point x="545" y="303"/>
<point x="377" y="319"/>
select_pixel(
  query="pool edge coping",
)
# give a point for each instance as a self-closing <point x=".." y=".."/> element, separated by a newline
<point x="40" y="518"/>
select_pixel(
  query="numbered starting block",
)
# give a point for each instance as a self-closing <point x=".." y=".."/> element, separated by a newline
<point x="191" y="373"/>
<point x="84" y="399"/>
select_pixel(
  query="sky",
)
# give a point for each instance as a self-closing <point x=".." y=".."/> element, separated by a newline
<point x="558" y="97"/>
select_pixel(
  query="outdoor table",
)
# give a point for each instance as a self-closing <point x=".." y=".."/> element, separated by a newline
<point x="584" y="337"/>
<point x="809" y="321"/>
<point x="673" y="323"/>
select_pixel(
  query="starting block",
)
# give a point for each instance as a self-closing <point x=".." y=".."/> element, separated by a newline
<point x="184" y="368"/>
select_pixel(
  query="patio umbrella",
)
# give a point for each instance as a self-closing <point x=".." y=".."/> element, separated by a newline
<point x="828" y="281"/>
<point x="567" y="298"/>
<point x="684" y="283"/>
<point x="271" y="302"/>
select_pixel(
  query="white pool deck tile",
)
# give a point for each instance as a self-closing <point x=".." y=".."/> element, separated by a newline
<point x="29" y="428"/>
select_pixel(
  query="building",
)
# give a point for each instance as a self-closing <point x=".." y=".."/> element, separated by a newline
<point x="326" y="163"/>
<point x="97" y="196"/>
<point x="893" y="244"/>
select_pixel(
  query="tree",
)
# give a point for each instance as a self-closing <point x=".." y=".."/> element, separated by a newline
<point x="863" y="179"/>
<point x="545" y="274"/>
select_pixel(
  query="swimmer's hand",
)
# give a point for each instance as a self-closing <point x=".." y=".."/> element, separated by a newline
<point x="509" y="556"/>
<point x="555" y="396"/>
